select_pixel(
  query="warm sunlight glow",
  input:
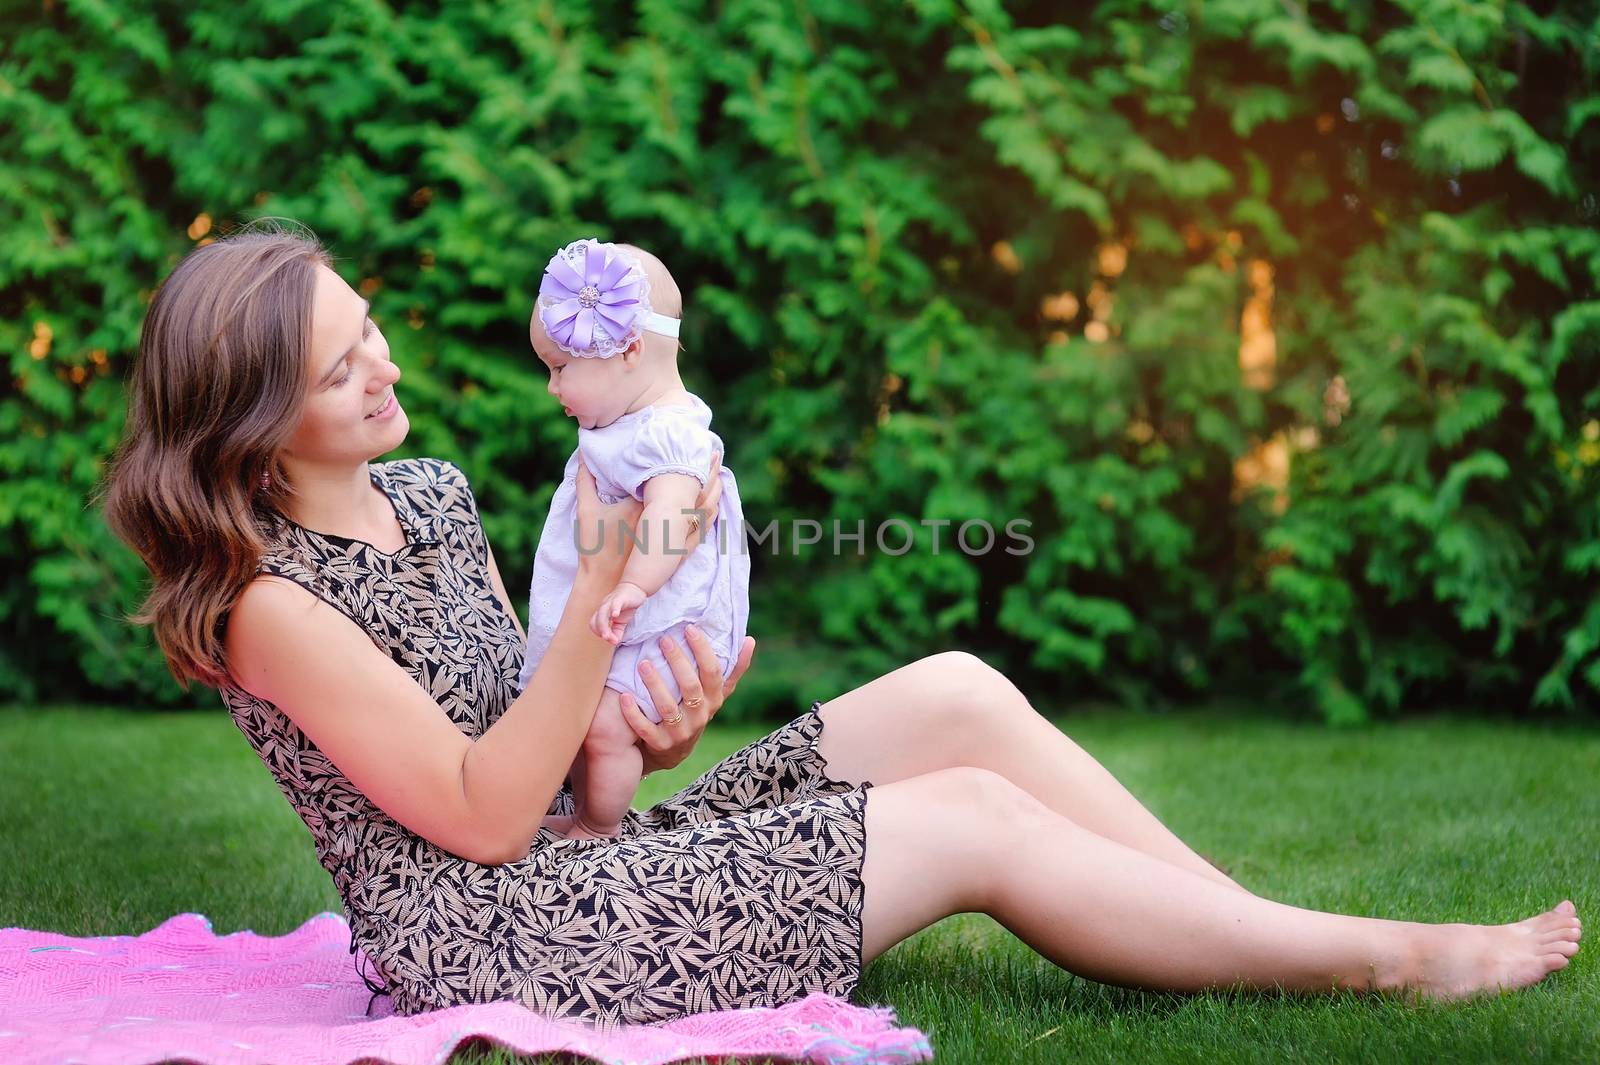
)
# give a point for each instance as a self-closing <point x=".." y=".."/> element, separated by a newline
<point x="39" y="346"/>
<point x="1266" y="466"/>
<point x="1113" y="258"/>
<point x="1258" y="344"/>
<point x="1062" y="307"/>
<point x="1099" y="300"/>
<point x="1006" y="256"/>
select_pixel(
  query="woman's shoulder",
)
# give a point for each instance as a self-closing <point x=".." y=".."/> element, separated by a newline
<point x="427" y="492"/>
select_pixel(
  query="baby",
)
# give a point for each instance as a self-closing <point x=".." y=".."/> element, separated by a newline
<point x="605" y="325"/>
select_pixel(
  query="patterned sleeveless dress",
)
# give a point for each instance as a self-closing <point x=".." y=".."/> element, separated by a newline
<point x="744" y="889"/>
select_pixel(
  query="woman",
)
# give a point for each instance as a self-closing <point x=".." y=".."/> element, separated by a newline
<point x="353" y="618"/>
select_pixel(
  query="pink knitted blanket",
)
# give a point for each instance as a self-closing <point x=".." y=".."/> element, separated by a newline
<point x="181" y="991"/>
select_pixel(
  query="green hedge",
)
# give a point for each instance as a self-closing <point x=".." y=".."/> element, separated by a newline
<point x="942" y="261"/>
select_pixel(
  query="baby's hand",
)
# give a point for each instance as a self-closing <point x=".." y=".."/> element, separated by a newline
<point x="616" y="610"/>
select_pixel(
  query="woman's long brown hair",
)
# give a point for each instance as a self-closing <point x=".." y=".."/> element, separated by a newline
<point x="218" y="386"/>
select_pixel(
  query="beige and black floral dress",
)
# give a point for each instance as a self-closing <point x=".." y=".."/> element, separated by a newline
<point x="744" y="889"/>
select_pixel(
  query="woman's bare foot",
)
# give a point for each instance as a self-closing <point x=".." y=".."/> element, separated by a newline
<point x="1457" y="961"/>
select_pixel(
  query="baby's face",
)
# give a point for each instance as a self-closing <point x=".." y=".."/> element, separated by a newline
<point x="591" y="391"/>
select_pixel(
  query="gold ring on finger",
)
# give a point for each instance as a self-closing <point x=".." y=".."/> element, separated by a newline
<point x="673" y="720"/>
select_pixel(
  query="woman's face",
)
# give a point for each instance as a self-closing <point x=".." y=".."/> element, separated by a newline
<point x="352" y="414"/>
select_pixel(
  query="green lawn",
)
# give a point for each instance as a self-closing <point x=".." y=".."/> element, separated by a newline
<point x="112" y="821"/>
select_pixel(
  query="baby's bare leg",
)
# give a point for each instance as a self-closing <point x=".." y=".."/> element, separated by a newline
<point x="605" y="783"/>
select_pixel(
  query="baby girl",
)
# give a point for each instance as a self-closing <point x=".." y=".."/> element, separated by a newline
<point x="606" y="327"/>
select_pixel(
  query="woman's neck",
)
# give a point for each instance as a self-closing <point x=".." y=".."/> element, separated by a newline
<point x="341" y="500"/>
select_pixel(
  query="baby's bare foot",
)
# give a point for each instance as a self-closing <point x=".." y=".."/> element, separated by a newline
<point x="582" y="829"/>
<point x="560" y="824"/>
<point x="1458" y="961"/>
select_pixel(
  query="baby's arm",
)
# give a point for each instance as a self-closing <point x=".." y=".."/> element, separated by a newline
<point x="669" y="499"/>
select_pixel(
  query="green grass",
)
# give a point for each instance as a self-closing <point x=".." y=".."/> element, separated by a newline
<point x="113" y="821"/>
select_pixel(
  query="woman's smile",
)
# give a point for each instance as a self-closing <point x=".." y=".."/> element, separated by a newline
<point x="386" y="410"/>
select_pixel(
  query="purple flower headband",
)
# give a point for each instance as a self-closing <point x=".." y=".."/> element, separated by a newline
<point x="594" y="300"/>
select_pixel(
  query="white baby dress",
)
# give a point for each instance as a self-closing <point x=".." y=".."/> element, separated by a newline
<point x="711" y="586"/>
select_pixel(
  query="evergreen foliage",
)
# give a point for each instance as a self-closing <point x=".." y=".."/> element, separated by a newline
<point x="1277" y="321"/>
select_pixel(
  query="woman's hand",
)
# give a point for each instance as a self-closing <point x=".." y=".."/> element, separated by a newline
<point x="707" y="505"/>
<point x="603" y="521"/>
<point x="703" y="689"/>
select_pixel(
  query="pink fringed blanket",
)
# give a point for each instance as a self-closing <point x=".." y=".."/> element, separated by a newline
<point x="180" y="991"/>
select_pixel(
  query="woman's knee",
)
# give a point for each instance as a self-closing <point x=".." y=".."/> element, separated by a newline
<point x="985" y="803"/>
<point x="965" y="797"/>
<point x="1001" y="794"/>
<point x="938" y="842"/>
<point x="986" y="818"/>
<point x="972" y="692"/>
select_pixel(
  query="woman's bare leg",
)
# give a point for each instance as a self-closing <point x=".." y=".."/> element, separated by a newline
<point x="953" y="709"/>
<point x="963" y="839"/>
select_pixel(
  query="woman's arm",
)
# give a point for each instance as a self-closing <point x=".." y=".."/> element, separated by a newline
<point x="391" y="738"/>
<point x="400" y="749"/>
<point x="512" y="773"/>
<point x="481" y="800"/>
<point x="360" y="708"/>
